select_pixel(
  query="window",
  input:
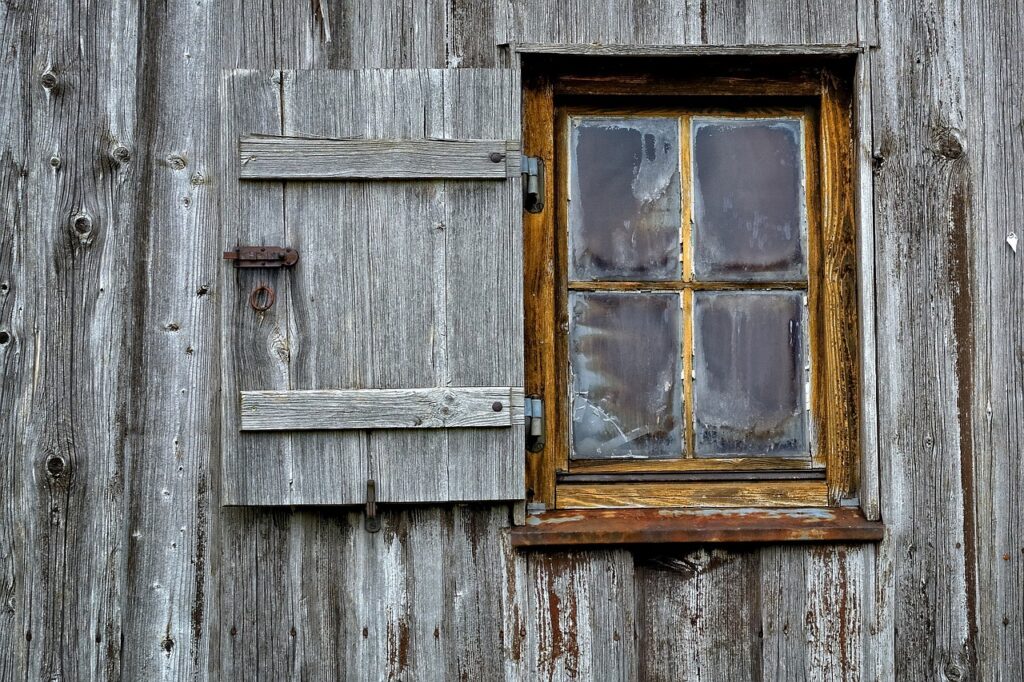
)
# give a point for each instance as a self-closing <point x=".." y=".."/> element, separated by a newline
<point x="691" y="290"/>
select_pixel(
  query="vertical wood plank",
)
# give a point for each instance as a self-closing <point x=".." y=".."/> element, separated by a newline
<point x="482" y="285"/>
<point x="329" y="316"/>
<point x="924" y="230"/>
<point x="581" y="616"/>
<point x="15" y="21"/>
<point x="171" y="413"/>
<point x="989" y="329"/>
<point x="78" y="298"/>
<point x="255" y="347"/>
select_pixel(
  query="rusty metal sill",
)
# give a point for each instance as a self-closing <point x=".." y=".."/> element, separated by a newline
<point x="651" y="526"/>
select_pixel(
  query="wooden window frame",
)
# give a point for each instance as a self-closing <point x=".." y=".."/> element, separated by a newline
<point x="745" y="493"/>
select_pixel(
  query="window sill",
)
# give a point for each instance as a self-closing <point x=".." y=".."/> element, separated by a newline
<point x="647" y="526"/>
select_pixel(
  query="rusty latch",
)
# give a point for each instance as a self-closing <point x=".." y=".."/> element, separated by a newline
<point x="372" y="522"/>
<point x="263" y="257"/>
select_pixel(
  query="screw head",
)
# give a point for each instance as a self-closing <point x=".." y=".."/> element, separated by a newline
<point x="496" y="156"/>
<point x="496" y="406"/>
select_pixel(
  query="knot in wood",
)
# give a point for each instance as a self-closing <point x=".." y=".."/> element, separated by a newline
<point x="954" y="672"/>
<point x="5" y="338"/>
<point x="48" y="79"/>
<point x="55" y="466"/>
<point x="176" y="162"/>
<point x="951" y="143"/>
<point x="55" y="161"/>
<point x="81" y="225"/>
<point x="121" y="154"/>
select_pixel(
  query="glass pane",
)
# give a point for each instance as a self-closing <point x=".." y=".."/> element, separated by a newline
<point x="624" y="208"/>
<point x="749" y="373"/>
<point x="626" y="365"/>
<point x="749" y="215"/>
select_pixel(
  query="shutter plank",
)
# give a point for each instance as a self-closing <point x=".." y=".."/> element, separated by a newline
<point x="329" y="325"/>
<point x="410" y="408"/>
<point x="312" y="158"/>
<point x="255" y="346"/>
<point x="483" y="279"/>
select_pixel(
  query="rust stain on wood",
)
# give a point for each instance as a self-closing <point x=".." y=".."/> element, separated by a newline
<point x="960" y="277"/>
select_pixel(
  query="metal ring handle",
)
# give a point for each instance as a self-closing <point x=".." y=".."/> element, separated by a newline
<point x="268" y="296"/>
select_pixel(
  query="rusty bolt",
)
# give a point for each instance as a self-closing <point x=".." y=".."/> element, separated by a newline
<point x="496" y="406"/>
<point x="496" y="156"/>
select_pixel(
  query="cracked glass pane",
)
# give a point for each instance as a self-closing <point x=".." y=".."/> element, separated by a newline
<point x="624" y="207"/>
<point x="626" y="367"/>
<point x="750" y="374"/>
<point x="748" y="199"/>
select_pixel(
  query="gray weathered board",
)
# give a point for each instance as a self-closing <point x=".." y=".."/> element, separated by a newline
<point x="382" y="408"/>
<point x="402" y="284"/>
<point x="268" y="157"/>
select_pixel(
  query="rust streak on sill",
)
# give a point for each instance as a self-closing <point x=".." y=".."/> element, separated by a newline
<point x="653" y="526"/>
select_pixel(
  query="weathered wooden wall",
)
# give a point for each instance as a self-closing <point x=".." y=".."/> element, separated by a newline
<point x="116" y="559"/>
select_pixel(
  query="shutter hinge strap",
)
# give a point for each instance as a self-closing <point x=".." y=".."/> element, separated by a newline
<point x="532" y="168"/>
<point x="372" y="523"/>
<point x="533" y="409"/>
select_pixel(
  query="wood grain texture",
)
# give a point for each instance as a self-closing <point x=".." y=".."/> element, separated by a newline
<point x="644" y="526"/>
<point x="643" y="50"/>
<point x="699" y="614"/>
<point x="867" y="310"/>
<point x="14" y="285"/>
<point x="703" y="494"/>
<point x="255" y="348"/>
<point x="323" y="159"/>
<point x="171" y="411"/>
<point x="989" y="330"/>
<point x="396" y="408"/>
<point x="924" y="208"/>
<point x="77" y="295"/>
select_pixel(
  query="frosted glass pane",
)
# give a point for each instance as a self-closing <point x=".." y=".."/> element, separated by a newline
<point x="749" y="374"/>
<point x="749" y="207"/>
<point x="625" y="360"/>
<point x="624" y="207"/>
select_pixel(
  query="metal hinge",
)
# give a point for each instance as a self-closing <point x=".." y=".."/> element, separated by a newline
<point x="532" y="168"/>
<point x="263" y="256"/>
<point x="533" y="409"/>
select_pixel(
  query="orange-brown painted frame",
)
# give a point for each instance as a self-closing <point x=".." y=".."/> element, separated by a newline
<point x="551" y="90"/>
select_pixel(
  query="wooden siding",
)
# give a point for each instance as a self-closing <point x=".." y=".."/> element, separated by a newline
<point x="116" y="558"/>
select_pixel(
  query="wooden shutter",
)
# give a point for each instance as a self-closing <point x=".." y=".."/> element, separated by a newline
<point x="404" y="312"/>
